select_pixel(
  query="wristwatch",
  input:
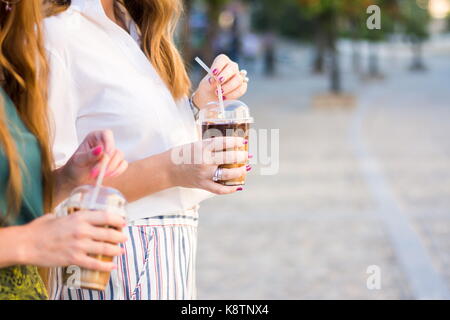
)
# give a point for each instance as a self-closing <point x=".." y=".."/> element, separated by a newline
<point x="195" y="109"/>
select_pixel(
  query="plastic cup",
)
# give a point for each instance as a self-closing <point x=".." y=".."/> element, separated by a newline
<point x="108" y="200"/>
<point x="233" y="120"/>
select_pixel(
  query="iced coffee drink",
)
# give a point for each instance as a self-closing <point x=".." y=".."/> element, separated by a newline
<point x="233" y="121"/>
<point x="108" y="200"/>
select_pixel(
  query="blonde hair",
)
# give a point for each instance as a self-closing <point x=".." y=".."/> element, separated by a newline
<point x="156" y="20"/>
<point x="24" y="71"/>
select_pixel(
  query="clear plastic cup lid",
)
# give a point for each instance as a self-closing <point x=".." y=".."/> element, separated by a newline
<point x="108" y="199"/>
<point x="234" y="111"/>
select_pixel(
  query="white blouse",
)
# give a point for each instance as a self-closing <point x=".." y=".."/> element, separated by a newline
<point x="101" y="79"/>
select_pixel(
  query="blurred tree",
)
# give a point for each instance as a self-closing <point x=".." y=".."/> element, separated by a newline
<point x="334" y="18"/>
<point x="185" y="32"/>
<point x="325" y="14"/>
<point x="322" y="12"/>
<point x="283" y="16"/>
<point x="390" y="13"/>
<point x="356" y="16"/>
<point x="269" y="17"/>
<point x="415" y="22"/>
<point x="329" y="16"/>
<point x="213" y="10"/>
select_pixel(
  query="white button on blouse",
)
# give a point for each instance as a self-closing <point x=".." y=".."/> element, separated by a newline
<point x="101" y="79"/>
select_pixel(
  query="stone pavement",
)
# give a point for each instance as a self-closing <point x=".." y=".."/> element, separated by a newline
<point x="312" y="230"/>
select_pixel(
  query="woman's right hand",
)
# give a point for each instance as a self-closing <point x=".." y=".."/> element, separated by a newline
<point x="52" y="241"/>
<point x="193" y="165"/>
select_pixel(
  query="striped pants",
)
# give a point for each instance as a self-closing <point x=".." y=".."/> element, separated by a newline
<point x="158" y="264"/>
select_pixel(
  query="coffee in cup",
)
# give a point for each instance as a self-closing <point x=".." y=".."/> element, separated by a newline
<point x="108" y="200"/>
<point x="233" y="121"/>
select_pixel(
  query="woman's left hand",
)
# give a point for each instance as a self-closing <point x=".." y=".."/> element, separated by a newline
<point x="234" y="82"/>
<point x="97" y="149"/>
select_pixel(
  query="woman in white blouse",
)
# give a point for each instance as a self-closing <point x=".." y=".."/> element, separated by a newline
<point x="114" y="65"/>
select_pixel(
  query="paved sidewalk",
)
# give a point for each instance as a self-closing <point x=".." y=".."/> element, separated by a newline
<point x="313" y="230"/>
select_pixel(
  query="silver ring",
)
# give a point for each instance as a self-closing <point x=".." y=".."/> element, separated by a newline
<point x="244" y="74"/>
<point x="217" y="174"/>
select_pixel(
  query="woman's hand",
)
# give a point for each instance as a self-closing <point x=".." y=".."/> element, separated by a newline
<point x="194" y="164"/>
<point x="84" y="166"/>
<point x="234" y="83"/>
<point x="51" y="241"/>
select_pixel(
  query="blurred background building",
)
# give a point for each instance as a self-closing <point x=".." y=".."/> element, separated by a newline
<point x="363" y="189"/>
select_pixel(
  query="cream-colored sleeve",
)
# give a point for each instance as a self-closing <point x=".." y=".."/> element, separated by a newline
<point x="63" y="109"/>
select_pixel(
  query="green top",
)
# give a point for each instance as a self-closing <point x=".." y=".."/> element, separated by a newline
<point x="21" y="282"/>
<point x="29" y="151"/>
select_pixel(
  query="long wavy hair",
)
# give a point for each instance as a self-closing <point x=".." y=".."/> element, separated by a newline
<point x="156" y="21"/>
<point x="24" y="74"/>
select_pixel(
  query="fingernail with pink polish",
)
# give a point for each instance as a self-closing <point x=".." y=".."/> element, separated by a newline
<point x="249" y="168"/>
<point x="239" y="189"/>
<point x="250" y="156"/>
<point x="215" y="71"/>
<point x="221" y="79"/>
<point x="245" y="141"/>
<point x="224" y="98"/>
<point x="97" y="151"/>
<point x="109" y="174"/>
<point x="95" y="172"/>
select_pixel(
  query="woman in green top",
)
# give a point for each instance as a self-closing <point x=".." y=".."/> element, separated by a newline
<point x="28" y="184"/>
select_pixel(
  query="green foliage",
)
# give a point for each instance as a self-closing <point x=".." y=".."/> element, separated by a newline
<point x="352" y="15"/>
<point x="267" y="14"/>
<point x="390" y="12"/>
<point x="295" y="24"/>
<point x="216" y="3"/>
<point x="282" y="16"/>
<point x="347" y="8"/>
<point x="414" y="21"/>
